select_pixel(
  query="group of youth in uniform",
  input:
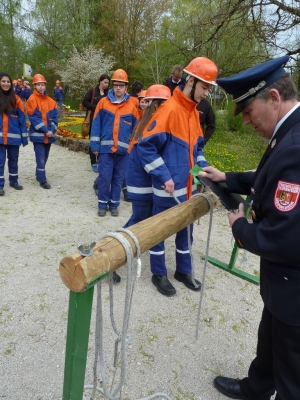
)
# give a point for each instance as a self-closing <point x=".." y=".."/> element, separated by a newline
<point x="153" y="150"/>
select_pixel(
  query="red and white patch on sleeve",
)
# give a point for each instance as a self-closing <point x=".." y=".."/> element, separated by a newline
<point x="286" y="196"/>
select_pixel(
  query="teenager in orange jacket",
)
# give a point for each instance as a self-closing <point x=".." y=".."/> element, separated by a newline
<point x="43" y="115"/>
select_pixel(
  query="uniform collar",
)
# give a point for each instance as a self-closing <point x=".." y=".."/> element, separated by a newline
<point x="283" y="119"/>
<point x="186" y="103"/>
<point x="112" y="98"/>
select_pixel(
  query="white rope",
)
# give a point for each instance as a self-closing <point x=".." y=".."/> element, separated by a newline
<point x="206" y="256"/>
<point x="122" y="337"/>
<point x="205" y="260"/>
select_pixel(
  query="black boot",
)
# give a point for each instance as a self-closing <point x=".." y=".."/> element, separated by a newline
<point x="229" y="387"/>
<point x="163" y="285"/>
<point x="116" y="277"/>
<point x="186" y="279"/>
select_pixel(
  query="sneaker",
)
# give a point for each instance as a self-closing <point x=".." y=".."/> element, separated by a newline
<point x="1" y="192"/>
<point x="114" y="212"/>
<point x="45" y="185"/>
<point x="101" y="212"/>
<point x="95" y="168"/>
<point x="17" y="186"/>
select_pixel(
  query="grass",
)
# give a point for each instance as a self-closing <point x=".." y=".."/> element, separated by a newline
<point x="234" y="150"/>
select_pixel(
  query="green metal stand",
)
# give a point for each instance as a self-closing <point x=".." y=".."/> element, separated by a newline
<point x="79" y="319"/>
<point x="230" y="267"/>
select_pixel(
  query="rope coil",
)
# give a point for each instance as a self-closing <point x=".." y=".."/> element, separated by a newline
<point x="122" y="336"/>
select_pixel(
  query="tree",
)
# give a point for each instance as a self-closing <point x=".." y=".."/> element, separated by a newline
<point x="13" y="47"/>
<point x="82" y="69"/>
<point x="124" y="28"/>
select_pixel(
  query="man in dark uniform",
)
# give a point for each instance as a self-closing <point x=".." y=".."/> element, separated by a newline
<point x="268" y="100"/>
<point x="175" y="79"/>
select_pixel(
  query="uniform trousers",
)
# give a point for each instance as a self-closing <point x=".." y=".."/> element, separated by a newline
<point x="93" y="156"/>
<point x="111" y="169"/>
<point x="42" y="151"/>
<point x="277" y="363"/>
<point x="140" y="210"/>
<point x="12" y="161"/>
<point x="183" y="257"/>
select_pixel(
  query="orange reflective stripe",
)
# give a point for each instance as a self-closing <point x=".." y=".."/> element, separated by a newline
<point x="131" y="144"/>
<point x="5" y="127"/>
<point x="116" y="130"/>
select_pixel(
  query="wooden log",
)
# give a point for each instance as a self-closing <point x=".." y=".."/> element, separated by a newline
<point x="77" y="271"/>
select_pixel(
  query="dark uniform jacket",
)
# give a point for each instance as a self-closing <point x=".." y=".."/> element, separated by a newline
<point x="173" y="85"/>
<point x="275" y="232"/>
<point x="87" y="100"/>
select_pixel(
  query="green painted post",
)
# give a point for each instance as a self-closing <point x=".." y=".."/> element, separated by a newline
<point x="231" y="266"/>
<point x="79" y="319"/>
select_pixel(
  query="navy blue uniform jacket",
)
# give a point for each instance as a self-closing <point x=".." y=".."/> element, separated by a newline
<point x="275" y="232"/>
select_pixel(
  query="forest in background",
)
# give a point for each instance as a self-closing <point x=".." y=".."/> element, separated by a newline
<point x="77" y="40"/>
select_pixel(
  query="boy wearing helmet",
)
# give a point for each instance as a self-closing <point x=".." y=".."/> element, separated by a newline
<point x="26" y="90"/>
<point x="19" y="88"/>
<point x="58" y="94"/>
<point x="114" y="120"/>
<point x="172" y="144"/>
<point x="43" y="116"/>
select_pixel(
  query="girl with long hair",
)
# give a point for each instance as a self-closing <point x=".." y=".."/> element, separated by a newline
<point x="139" y="183"/>
<point x="13" y="131"/>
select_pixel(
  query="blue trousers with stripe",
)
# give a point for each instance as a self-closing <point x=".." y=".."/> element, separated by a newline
<point x="42" y="151"/>
<point x="111" y="169"/>
<point x="183" y="257"/>
<point x="12" y="161"/>
<point x="140" y="210"/>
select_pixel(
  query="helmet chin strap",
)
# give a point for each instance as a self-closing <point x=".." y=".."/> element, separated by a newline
<point x="193" y="90"/>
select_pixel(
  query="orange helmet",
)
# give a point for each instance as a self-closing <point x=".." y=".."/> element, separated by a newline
<point x="120" y="75"/>
<point x="38" y="78"/>
<point x="158" y="92"/>
<point x="142" y="94"/>
<point x="204" y="69"/>
<point x="57" y="81"/>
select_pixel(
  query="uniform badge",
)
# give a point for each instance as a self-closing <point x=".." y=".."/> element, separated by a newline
<point x="286" y="196"/>
<point x="151" y="126"/>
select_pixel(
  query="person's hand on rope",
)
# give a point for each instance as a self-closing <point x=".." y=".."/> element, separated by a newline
<point x="169" y="186"/>
<point x="214" y="174"/>
<point x="240" y="214"/>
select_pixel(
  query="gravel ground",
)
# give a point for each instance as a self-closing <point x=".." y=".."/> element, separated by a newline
<point x="39" y="227"/>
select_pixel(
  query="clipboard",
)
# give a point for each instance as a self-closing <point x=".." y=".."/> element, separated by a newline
<point x="229" y="200"/>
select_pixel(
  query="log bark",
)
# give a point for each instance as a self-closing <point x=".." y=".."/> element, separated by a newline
<point x="77" y="271"/>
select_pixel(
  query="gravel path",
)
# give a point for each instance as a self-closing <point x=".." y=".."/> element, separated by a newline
<point x="39" y="227"/>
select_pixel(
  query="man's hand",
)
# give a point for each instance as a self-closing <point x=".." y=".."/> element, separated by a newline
<point x="233" y="217"/>
<point x="49" y="134"/>
<point x="214" y="174"/>
<point x="95" y="152"/>
<point x="169" y="186"/>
